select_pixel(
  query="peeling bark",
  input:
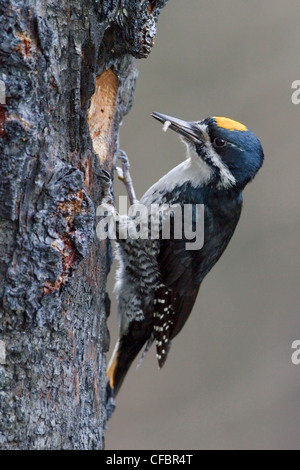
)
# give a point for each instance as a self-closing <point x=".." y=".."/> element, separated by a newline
<point x="69" y="74"/>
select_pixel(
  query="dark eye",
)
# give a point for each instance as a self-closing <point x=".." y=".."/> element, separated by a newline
<point x="218" y="142"/>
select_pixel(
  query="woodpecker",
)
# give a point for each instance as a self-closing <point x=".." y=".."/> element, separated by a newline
<point x="158" y="280"/>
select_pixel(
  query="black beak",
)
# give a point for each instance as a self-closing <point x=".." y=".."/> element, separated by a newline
<point x="188" y="130"/>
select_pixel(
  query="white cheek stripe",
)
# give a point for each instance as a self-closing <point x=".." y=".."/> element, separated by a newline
<point x="227" y="179"/>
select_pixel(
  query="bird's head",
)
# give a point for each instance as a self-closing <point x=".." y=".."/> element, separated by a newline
<point x="231" y="153"/>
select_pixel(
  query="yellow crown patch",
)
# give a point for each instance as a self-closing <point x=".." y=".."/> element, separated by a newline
<point x="229" y="124"/>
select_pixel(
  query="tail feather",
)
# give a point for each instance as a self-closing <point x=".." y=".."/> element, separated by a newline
<point x="126" y="350"/>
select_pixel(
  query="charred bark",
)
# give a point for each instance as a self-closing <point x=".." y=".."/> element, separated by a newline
<point x="69" y="75"/>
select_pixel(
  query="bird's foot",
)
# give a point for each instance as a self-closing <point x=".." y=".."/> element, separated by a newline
<point x="124" y="175"/>
<point x="107" y="202"/>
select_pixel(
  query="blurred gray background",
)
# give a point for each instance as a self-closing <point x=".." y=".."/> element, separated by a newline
<point x="229" y="382"/>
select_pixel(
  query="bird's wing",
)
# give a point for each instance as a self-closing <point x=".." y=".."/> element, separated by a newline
<point x="176" y="294"/>
<point x="182" y="272"/>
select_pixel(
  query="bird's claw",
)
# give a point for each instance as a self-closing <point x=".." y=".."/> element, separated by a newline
<point x="107" y="200"/>
<point x="122" y="155"/>
<point x="121" y="172"/>
<point x="105" y="175"/>
<point x="124" y="174"/>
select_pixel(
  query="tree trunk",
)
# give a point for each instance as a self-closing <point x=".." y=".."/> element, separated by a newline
<point x="68" y="72"/>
